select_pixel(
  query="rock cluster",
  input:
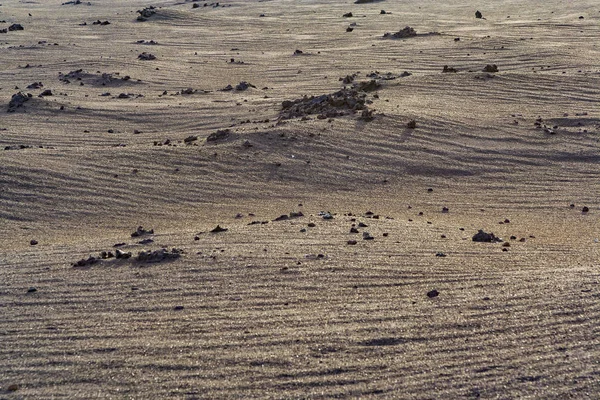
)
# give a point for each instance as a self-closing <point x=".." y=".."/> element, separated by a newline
<point x="342" y="102"/>
<point x="18" y="100"/>
<point x="158" y="255"/>
<point x="406" y="32"/>
<point x="482" y="236"/>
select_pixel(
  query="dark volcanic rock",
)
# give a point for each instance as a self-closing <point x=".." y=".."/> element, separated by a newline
<point x="490" y="68"/>
<point x="449" y="69"/>
<point x="147" y="56"/>
<point x="18" y="100"/>
<point x="243" y="86"/>
<point x="146" y="13"/>
<point x="140" y="231"/>
<point x="159" y="255"/>
<point x="16" y="27"/>
<point x="482" y="236"/>
<point x="218" y="135"/>
<point x="342" y="102"/>
<point x="406" y="32"/>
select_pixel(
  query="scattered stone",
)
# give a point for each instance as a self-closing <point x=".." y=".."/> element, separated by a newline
<point x="445" y="210"/>
<point x="33" y="242"/>
<point x="352" y="242"/>
<point x="18" y="100"/>
<point x="448" y="69"/>
<point x="190" y="139"/>
<point x="478" y="14"/>
<point x="491" y="68"/>
<point x="12" y="388"/>
<point x="388" y="76"/>
<point x="311" y="225"/>
<point x="106" y="254"/>
<point x="433" y="293"/>
<point x="325" y="215"/>
<point x="585" y="209"/>
<point x="46" y="92"/>
<point x="349" y="29"/>
<point x="401" y="34"/>
<point x="366" y="115"/>
<point x="244" y="86"/>
<point x="15" y="27"/>
<point x="146" y="13"/>
<point x="146" y="56"/>
<point x="140" y="231"/>
<point x="86" y="262"/>
<point x="368" y="86"/>
<point x="219" y="229"/>
<point x="35" y="85"/>
<point x="122" y="255"/>
<point x="353" y="230"/>
<point x="103" y="23"/>
<point x="367" y="236"/>
<point x="347" y="15"/>
<point x="412" y="124"/>
<point x="146" y="241"/>
<point x="440" y="254"/>
<point x="298" y="52"/>
<point x="31" y="290"/>
<point x="348" y="79"/>
<point x="159" y="255"/>
<point x="482" y="236"/>
<point x="218" y="135"/>
<point x="506" y="244"/>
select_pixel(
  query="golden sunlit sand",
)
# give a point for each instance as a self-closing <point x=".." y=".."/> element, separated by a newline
<point x="371" y="285"/>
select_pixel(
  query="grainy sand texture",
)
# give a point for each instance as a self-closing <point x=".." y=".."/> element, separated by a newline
<point x="282" y="199"/>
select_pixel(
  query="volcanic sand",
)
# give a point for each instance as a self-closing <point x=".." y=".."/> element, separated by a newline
<point x="284" y="309"/>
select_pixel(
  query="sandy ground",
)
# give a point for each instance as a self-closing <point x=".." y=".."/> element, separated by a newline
<point x="289" y="309"/>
